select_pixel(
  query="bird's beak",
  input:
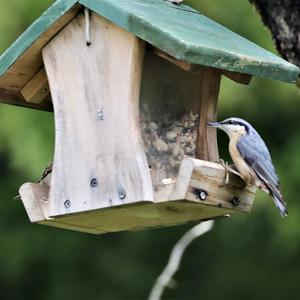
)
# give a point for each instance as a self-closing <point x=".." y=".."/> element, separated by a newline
<point x="214" y="124"/>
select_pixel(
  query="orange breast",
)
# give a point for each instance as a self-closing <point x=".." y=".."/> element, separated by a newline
<point x="246" y="172"/>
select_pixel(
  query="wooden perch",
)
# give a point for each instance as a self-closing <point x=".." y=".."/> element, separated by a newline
<point x="198" y="194"/>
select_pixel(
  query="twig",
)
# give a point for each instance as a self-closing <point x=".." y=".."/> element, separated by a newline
<point x="165" y="278"/>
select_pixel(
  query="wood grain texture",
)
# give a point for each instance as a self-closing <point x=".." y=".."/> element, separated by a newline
<point x="198" y="175"/>
<point x="193" y="68"/>
<point x="11" y="96"/>
<point x="99" y="160"/>
<point x="37" y="89"/>
<point x="207" y="146"/>
<point x="34" y="197"/>
<point x="184" y="205"/>
<point x="23" y="59"/>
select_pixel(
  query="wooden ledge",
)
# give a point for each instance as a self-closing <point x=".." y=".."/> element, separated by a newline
<point x="198" y="194"/>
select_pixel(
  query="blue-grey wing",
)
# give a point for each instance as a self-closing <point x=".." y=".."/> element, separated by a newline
<point x="254" y="151"/>
<point x="256" y="154"/>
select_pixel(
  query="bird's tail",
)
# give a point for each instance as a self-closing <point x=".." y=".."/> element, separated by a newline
<point x="280" y="203"/>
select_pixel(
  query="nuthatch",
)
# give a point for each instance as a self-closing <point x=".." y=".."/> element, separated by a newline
<point x="252" y="158"/>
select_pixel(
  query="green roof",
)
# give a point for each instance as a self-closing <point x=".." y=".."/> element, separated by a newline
<point x="178" y="30"/>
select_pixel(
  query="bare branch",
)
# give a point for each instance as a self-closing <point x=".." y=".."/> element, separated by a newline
<point x="165" y="278"/>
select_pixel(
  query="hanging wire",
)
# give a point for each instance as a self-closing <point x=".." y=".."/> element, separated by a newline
<point x="87" y="27"/>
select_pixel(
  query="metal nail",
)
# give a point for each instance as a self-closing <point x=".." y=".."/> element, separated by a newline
<point x="100" y="114"/>
<point x="201" y="194"/>
<point x="67" y="204"/>
<point x="94" y="182"/>
<point x="122" y="194"/>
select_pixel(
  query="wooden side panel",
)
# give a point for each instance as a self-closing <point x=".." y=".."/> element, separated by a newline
<point x="207" y="146"/>
<point x="99" y="160"/>
<point x="37" y="89"/>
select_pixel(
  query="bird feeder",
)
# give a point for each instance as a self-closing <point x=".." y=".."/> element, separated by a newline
<point x="132" y="85"/>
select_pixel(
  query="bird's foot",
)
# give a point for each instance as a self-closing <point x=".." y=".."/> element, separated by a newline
<point x="228" y="169"/>
<point x="225" y="166"/>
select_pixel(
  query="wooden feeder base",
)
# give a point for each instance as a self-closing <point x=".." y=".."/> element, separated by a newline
<point x="198" y="194"/>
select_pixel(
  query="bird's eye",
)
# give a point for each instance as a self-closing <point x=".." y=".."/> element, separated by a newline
<point x="231" y="122"/>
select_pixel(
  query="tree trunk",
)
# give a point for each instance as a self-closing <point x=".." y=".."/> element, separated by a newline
<point x="282" y="17"/>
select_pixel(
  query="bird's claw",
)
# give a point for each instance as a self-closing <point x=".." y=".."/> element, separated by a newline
<point x="228" y="170"/>
<point x="225" y="166"/>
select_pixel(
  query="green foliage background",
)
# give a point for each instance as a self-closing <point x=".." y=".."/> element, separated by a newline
<point x="253" y="256"/>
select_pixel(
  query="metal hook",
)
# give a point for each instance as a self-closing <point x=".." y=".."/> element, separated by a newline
<point x="87" y="27"/>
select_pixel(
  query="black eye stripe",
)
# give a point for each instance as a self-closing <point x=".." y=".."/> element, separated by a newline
<point x="232" y="122"/>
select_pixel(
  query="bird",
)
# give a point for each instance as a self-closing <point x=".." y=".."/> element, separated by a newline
<point x="46" y="175"/>
<point x="252" y="159"/>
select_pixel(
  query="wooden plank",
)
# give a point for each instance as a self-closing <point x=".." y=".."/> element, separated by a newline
<point x="37" y="89"/>
<point x="193" y="68"/>
<point x="34" y="197"/>
<point x="99" y="160"/>
<point x="237" y="77"/>
<point x="207" y="146"/>
<point x="184" y="206"/>
<point x="145" y="215"/>
<point x="136" y="216"/>
<point x="10" y="96"/>
<point x="198" y="176"/>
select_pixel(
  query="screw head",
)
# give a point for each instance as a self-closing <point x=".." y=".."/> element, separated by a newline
<point x="202" y="195"/>
<point x="44" y="91"/>
<point x="67" y="204"/>
<point x="100" y="114"/>
<point x="235" y="201"/>
<point x="122" y="194"/>
<point x="94" y="182"/>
